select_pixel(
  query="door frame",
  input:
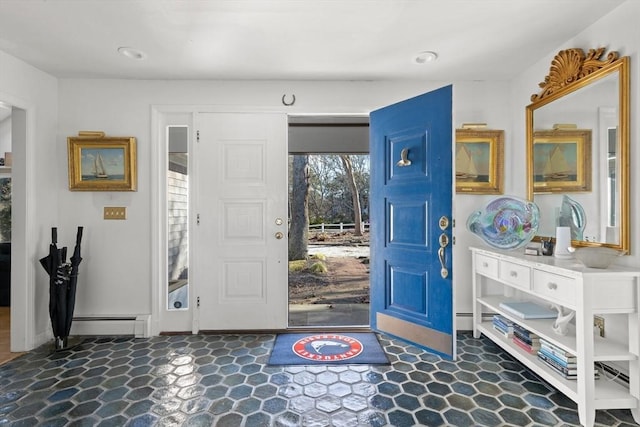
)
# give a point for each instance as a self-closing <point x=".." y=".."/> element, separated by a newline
<point x="23" y="334"/>
<point x="161" y="116"/>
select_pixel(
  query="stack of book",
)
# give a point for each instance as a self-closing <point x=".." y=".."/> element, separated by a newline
<point x="561" y="361"/>
<point x="503" y="325"/>
<point x="525" y="339"/>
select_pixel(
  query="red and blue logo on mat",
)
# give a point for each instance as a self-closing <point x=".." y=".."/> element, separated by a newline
<point x="327" y="347"/>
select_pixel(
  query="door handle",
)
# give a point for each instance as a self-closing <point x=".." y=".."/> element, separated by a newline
<point x="444" y="272"/>
<point x="279" y="235"/>
<point x="444" y="241"/>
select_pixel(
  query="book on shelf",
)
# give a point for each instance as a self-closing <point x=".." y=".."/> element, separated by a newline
<point x="529" y="348"/>
<point x="503" y="322"/>
<point x="529" y="341"/>
<point x="525" y="335"/>
<point x="566" y="372"/>
<point x="560" y="352"/>
<point x="528" y="310"/>
<point x="569" y="365"/>
<point x="560" y="355"/>
<point x="524" y="331"/>
<point x="505" y="329"/>
<point x="502" y="332"/>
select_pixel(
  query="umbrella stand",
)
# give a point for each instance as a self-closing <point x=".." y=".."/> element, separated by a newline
<point x="63" y="279"/>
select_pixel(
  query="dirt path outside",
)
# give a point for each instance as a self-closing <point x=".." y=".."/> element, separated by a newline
<point x="347" y="282"/>
<point x="347" y="277"/>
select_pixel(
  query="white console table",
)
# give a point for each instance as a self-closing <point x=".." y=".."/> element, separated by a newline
<point x="501" y="275"/>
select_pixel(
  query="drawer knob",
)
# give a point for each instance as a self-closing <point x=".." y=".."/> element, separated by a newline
<point x="552" y="285"/>
<point x="513" y="273"/>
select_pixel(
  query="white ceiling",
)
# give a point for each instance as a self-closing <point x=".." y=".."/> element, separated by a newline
<point x="291" y="39"/>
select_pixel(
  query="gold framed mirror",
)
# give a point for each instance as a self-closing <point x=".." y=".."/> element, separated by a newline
<point x="583" y="94"/>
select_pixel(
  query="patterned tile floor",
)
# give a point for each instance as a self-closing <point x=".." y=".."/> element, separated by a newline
<point x="223" y="380"/>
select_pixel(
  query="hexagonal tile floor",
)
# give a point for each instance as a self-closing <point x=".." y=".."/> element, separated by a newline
<point x="223" y="380"/>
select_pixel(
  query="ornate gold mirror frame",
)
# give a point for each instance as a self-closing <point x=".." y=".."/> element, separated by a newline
<point x="574" y="76"/>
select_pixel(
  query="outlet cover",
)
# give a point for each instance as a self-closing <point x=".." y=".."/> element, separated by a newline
<point x="115" y="212"/>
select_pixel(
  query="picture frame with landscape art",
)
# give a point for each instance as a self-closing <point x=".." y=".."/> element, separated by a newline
<point x="479" y="161"/>
<point x="102" y="163"/>
<point x="561" y="160"/>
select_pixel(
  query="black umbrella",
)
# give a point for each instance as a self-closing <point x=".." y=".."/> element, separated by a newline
<point x="63" y="278"/>
<point x="73" y="283"/>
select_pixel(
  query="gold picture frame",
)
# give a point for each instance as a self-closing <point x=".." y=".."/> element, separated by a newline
<point x="479" y="161"/>
<point x="561" y="161"/>
<point x="102" y="163"/>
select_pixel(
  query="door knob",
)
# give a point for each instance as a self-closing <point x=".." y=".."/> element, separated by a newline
<point x="279" y="221"/>
<point x="279" y="235"/>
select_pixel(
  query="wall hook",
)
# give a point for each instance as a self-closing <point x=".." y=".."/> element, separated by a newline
<point x="404" y="161"/>
<point x="288" y="104"/>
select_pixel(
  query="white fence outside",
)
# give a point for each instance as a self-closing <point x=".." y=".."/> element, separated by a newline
<point x="336" y="228"/>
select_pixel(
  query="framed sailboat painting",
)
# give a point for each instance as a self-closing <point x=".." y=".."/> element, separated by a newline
<point x="479" y="161"/>
<point x="102" y="163"/>
<point x="562" y="160"/>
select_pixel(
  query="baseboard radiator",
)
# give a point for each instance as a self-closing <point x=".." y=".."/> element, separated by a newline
<point x="135" y="325"/>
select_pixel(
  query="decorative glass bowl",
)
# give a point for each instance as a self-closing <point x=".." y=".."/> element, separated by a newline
<point x="598" y="257"/>
<point x="505" y="222"/>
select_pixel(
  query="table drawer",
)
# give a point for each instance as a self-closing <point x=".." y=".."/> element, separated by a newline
<point x="486" y="265"/>
<point x="555" y="287"/>
<point x="515" y="274"/>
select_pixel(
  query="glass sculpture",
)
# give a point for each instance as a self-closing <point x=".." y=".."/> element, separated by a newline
<point x="572" y="215"/>
<point x="505" y="222"/>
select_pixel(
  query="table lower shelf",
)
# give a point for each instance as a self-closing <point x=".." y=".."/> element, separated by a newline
<point x="608" y="393"/>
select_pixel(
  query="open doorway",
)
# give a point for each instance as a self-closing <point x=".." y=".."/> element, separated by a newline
<point x="5" y="233"/>
<point x="328" y="219"/>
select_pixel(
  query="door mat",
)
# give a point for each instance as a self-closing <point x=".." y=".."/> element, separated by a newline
<point x="327" y="349"/>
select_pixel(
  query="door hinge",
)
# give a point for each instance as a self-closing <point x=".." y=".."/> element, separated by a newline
<point x="454" y="240"/>
<point x="197" y="136"/>
<point x="197" y="219"/>
<point x="453" y="223"/>
<point x="198" y="302"/>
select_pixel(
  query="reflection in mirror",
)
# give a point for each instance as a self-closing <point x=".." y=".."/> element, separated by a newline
<point x="577" y="127"/>
<point x="178" y="218"/>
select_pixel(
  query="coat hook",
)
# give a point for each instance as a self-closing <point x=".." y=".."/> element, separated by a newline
<point x="288" y="104"/>
<point x="404" y="161"/>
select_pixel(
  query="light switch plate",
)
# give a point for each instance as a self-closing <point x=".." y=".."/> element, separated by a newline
<point x="115" y="212"/>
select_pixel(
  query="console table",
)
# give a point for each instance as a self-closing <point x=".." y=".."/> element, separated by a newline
<point x="507" y="275"/>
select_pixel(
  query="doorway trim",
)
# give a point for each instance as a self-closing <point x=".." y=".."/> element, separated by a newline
<point x="159" y="113"/>
<point x="23" y="235"/>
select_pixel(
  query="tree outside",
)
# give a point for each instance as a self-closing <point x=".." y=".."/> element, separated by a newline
<point x="329" y="189"/>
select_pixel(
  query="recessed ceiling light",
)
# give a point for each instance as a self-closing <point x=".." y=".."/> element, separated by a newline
<point x="426" y="56"/>
<point x="132" y="53"/>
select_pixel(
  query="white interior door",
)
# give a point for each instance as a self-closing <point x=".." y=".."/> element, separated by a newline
<point x="240" y="249"/>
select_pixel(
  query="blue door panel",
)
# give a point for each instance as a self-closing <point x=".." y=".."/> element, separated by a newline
<point x="402" y="212"/>
<point x="407" y="290"/>
<point x="407" y="200"/>
<point x="415" y="144"/>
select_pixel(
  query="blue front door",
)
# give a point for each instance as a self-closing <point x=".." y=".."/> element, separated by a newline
<point x="411" y="200"/>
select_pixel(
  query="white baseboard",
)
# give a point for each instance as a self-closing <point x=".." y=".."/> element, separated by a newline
<point x="137" y="325"/>
<point x="464" y="322"/>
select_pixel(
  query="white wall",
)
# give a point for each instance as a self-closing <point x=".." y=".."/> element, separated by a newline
<point x="116" y="268"/>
